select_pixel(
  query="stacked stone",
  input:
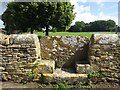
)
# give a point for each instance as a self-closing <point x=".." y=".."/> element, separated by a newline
<point x="64" y="50"/>
<point x="18" y="56"/>
<point x="104" y="56"/>
<point x="3" y="41"/>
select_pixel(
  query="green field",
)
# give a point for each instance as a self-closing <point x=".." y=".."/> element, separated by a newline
<point x="88" y="34"/>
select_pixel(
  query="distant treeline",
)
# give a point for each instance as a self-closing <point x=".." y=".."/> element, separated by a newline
<point x="99" y="25"/>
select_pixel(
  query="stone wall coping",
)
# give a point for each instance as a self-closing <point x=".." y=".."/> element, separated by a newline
<point x="105" y="38"/>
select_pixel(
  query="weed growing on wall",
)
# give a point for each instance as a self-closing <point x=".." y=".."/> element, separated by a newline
<point x="95" y="76"/>
<point x="61" y="86"/>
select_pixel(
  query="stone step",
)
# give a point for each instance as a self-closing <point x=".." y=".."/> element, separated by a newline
<point x="44" y="66"/>
<point x="82" y="67"/>
<point x="61" y="76"/>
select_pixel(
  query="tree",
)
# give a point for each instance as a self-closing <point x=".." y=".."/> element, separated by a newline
<point x="81" y="25"/>
<point x="102" y="25"/>
<point x="18" y="16"/>
<point x="111" y="25"/>
<point x="99" y="25"/>
<point x="34" y="15"/>
<point x="64" y="16"/>
<point x="74" y="28"/>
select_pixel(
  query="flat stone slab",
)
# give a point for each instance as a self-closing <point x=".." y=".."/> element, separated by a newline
<point x="82" y="68"/>
<point x="46" y="66"/>
<point x="61" y="76"/>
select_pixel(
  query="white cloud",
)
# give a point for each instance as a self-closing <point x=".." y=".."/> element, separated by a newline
<point x="86" y="17"/>
<point x="1" y="24"/>
<point x="82" y="9"/>
<point x="83" y="13"/>
<point x="102" y="16"/>
<point x="83" y="1"/>
<point x="76" y="1"/>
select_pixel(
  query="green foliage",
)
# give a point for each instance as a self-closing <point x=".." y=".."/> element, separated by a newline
<point x="41" y="85"/>
<point x="74" y="28"/>
<point x="96" y="77"/>
<point x="82" y="85"/>
<point x="111" y="25"/>
<point x="31" y="76"/>
<point x="99" y="25"/>
<point x="81" y="25"/>
<point x="78" y="27"/>
<point x="102" y="25"/>
<point x="93" y="74"/>
<point x="36" y="15"/>
<point x="61" y="86"/>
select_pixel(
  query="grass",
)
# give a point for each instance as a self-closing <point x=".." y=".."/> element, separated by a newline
<point x="88" y="34"/>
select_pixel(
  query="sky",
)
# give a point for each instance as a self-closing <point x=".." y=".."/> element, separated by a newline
<point x="92" y="10"/>
<point x="86" y="10"/>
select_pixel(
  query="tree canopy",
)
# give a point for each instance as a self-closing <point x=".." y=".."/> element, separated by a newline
<point x="99" y="25"/>
<point x="34" y="15"/>
<point x="102" y="25"/>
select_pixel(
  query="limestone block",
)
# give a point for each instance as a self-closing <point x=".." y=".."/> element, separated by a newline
<point x="17" y="79"/>
<point x="47" y="78"/>
<point x="61" y="76"/>
<point x="22" y="39"/>
<point x="26" y="40"/>
<point x="46" y="66"/>
<point x="14" y="46"/>
<point x="1" y="63"/>
<point x="3" y="39"/>
<point x="3" y="76"/>
<point x="10" y="68"/>
<point x="2" y="68"/>
<point x="25" y="45"/>
<point x="112" y="79"/>
<point x="6" y="41"/>
<point x="83" y="68"/>
<point x="105" y="39"/>
<point x="37" y="78"/>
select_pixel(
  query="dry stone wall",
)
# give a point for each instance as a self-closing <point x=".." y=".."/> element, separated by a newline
<point x="17" y="56"/>
<point x="104" y="56"/>
<point x="64" y="50"/>
<point x="23" y="56"/>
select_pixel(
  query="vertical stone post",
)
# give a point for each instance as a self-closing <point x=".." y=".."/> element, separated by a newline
<point x="19" y="52"/>
<point x="104" y="56"/>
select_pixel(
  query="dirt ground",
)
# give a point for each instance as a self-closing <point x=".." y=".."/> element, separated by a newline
<point x="11" y="84"/>
<point x="34" y="85"/>
<point x="107" y="85"/>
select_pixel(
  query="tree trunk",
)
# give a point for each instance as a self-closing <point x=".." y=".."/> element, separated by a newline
<point x="47" y="31"/>
<point x="31" y="31"/>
